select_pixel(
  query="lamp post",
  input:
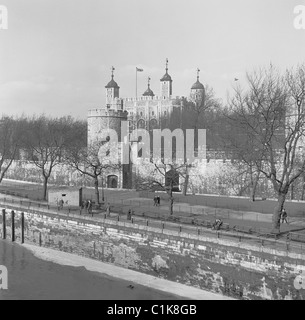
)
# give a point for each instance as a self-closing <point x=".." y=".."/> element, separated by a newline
<point x="103" y="195"/>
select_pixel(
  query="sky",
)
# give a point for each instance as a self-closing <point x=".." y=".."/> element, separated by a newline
<point x="56" y="55"/>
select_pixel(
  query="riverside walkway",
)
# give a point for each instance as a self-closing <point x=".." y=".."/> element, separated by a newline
<point x="146" y="214"/>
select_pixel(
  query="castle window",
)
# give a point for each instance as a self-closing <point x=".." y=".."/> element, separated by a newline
<point x="153" y="124"/>
<point x="141" y="124"/>
<point x="141" y="113"/>
<point x="165" y="113"/>
<point x="152" y="113"/>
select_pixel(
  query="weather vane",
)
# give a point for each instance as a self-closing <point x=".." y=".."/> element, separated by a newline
<point x="198" y="70"/>
<point x="112" y="69"/>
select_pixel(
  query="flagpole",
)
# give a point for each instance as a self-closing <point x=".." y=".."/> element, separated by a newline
<point x="136" y="82"/>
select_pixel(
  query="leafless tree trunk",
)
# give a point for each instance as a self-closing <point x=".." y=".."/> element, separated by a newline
<point x="10" y="134"/>
<point x="97" y="194"/>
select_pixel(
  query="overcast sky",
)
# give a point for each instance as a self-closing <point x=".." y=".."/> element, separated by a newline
<point x="56" y="55"/>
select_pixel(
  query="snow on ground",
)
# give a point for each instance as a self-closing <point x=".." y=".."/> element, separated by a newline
<point x="69" y="259"/>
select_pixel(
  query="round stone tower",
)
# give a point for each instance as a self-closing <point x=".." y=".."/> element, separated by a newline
<point x="111" y="116"/>
<point x="100" y="119"/>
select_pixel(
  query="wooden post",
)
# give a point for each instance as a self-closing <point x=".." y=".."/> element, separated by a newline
<point x="4" y="223"/>
<point x="40" y="239"/>
<point x="22" y="227"/>
<point x="13" y="225"/>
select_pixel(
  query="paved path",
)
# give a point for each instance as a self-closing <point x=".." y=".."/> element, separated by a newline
<point x="122" y="200"/>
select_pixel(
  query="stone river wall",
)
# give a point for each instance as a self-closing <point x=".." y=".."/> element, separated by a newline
<point x="234" y="269"/>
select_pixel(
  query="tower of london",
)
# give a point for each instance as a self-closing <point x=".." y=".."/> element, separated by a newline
<point x="148" y="111"/>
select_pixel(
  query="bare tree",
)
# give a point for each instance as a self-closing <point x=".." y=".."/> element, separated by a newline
<point x="10" y="130"/>
<point x="270" y="119"/>
<point x="89" y="162"/>
<point x="162" y="176"/>
<point x="199" y="115"/>
<point x="46" y="139"/>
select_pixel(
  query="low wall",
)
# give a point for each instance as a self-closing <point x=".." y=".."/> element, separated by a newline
<point x="233" y="269"/>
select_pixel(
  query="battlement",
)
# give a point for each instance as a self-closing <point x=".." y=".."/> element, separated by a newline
<point x="106" y="112"/>
<point x="154" y="98"/>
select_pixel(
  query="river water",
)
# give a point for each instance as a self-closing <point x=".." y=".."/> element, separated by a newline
<point x="30" y="278"/>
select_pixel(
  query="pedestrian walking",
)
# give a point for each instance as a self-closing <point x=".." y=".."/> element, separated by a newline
<point x="158" y="201"/>
<point x="155" y="200"/>
<point x="89" y="206"/>
<point x="284" y="216"/>
<point x="61" y="204"/>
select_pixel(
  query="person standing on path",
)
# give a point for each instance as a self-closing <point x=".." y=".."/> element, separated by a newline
<point x="89" y="206"/>
<point x="284" y="216"/>
<point x="155" y="200"/>
<point x="129" y="214"/>
<point x="158" y="201"/>
<point x="61" y="204"/>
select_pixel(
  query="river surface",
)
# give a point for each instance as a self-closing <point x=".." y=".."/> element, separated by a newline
<point x="30" y="278"/>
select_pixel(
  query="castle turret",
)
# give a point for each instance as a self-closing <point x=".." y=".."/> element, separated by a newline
<point x="112" y="90"/>
<point x="197" y="91"/>
<point x="104" y="119"/>
<point x="166" y="84"/>
<point x="148" y="92"/>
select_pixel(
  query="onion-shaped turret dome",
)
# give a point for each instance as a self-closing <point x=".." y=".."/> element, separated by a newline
<point x="112" y="83"/>
<point x="148" y="92"/>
